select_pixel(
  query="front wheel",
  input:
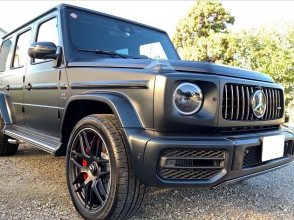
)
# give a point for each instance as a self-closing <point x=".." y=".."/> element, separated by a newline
<point x="100" y="179"/>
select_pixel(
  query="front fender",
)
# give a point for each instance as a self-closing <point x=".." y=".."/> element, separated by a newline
<point x="120" y="105"/>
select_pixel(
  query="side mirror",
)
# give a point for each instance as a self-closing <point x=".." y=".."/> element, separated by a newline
<point x="46" y="50"/>
<point x="43" y="50"/>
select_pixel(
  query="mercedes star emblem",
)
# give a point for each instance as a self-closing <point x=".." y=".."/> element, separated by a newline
<point x="258" y="103"/>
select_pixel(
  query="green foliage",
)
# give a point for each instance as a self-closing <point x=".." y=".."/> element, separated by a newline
<point x="202" y="34"/>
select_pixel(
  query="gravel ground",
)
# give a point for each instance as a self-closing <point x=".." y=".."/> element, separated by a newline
<point x="33" y="186"/>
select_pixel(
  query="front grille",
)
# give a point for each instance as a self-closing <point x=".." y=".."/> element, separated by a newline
<point x="190" y="164"/>
<point x="253" y="155"/>
<point x="236" y="104"/>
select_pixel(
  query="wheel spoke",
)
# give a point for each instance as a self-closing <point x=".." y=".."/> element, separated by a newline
<point x="83" y="185"/>
<point x="79" y="155"/>
<point x="87" y="141"/>
<point x="82" y="147"/>
<point x="86" y="194"/>
<point x="102" y="161"/>
<point x="99" y="148"/>
<point x="77" y="179"/>
<point x="91" y="196"/>
<point x="76" y="163"/>
<point x="103" y="173"/>
<point x="102" y="187"/>
<point x="97" y="193"/>
<point x="94" y="141"/>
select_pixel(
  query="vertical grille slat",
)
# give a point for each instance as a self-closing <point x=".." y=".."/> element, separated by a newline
<point x="266" y="112"/>
<point x="226" y="108"/>
<point x="237" y="102"/>
<point x="248" y="103"/>
<point x="232" y="102"/>
<point x="270" y="104"/>
<point x="243" y="103"/>
<point x="238" y="98"/>
<point x="251" y="91"/>
<point x="276" y="101"/>
<point x="279" y="110"/>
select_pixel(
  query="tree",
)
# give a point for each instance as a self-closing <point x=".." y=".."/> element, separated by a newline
<point x="202" y="34"/>
<point x="269" y="50"/>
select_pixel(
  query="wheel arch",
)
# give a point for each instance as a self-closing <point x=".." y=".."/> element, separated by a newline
<point x="102" y="103"/>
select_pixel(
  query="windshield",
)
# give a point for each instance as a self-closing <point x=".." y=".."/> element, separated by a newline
<point x="96" y="32"/>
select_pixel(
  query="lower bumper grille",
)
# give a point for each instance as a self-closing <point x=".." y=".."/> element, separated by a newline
<point x="252" y="155"/>
<point x="190" y="164"/>
<point x="188" y="174"/>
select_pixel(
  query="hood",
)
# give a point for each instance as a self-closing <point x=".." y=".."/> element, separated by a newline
<point x="178" y="65"/>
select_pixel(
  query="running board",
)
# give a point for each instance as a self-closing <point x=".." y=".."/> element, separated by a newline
<point x="44" y="142"/>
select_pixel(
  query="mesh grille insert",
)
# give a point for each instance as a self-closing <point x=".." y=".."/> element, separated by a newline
<point x="191" y="164"/>
<point x="252" y="155"/>
<point x="188" y="174"/>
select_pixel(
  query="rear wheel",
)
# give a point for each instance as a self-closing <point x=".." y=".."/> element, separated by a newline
<point x="6" y="148"/>
<point x="100" y="179"/>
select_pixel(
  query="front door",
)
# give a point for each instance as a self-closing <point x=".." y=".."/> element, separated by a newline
<point x="41" y="94"/>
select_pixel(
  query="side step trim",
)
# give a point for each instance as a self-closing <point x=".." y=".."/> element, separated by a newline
<point x="49" y="146"/>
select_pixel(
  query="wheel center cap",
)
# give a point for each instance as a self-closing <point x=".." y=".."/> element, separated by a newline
<point x="93" y="168"/>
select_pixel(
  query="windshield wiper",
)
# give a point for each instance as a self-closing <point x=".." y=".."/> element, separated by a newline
<point x="111" y="53"/>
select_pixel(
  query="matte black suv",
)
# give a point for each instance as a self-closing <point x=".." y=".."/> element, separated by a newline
<point x="85" y="84"/>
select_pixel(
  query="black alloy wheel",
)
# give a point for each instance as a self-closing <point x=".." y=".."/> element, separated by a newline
<point x="100" y="179"/>
<point x="90" y="169"/>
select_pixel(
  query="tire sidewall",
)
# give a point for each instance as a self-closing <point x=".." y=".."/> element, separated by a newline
<point x="98" y="126"/>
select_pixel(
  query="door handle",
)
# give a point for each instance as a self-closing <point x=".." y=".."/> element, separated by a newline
<point x="28" y="87"/>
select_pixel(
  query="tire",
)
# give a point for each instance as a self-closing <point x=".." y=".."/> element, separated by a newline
<point x="6" y="148"/>
<point x="100" y="180"/>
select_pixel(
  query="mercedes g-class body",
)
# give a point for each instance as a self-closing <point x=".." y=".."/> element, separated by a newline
<point x="115" y="98"/>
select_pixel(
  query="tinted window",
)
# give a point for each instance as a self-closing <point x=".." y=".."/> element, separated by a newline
<point x="4" y="51"/>
<point x="21" y="50"/>
<point x="48" y="32"/>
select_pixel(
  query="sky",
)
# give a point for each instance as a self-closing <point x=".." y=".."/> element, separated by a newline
<point x="161" y="14"/>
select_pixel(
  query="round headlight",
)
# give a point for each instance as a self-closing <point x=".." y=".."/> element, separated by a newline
<point x="188" y="98"/>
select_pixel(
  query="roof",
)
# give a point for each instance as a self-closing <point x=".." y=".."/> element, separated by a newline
<point x="61" y="6"/>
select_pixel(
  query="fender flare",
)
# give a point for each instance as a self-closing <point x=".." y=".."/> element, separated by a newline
<point x="120" y="105"/>
<point x="4" y="109"/>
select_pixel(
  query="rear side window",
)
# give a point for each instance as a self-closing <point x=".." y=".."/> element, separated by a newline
<point x="5" y="49"/>
<point x="21" y="50"/>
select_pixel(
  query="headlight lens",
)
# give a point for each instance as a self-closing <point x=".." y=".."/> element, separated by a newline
<point x="188" y="98"/>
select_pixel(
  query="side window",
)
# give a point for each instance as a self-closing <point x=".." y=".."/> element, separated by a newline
<point x="48" y="32"/>
<point x="4" y="51"/>
<point x="21" y="50"/>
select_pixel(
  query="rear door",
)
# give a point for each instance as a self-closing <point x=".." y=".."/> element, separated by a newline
<point x="14" y="74"/>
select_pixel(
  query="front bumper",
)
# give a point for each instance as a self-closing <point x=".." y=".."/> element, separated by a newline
<point x="178" y="160"/>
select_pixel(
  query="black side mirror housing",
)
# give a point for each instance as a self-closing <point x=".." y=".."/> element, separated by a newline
<point x="45" y="50"/>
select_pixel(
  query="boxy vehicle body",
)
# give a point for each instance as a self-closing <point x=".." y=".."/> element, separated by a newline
<point x="84" y="84"/>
